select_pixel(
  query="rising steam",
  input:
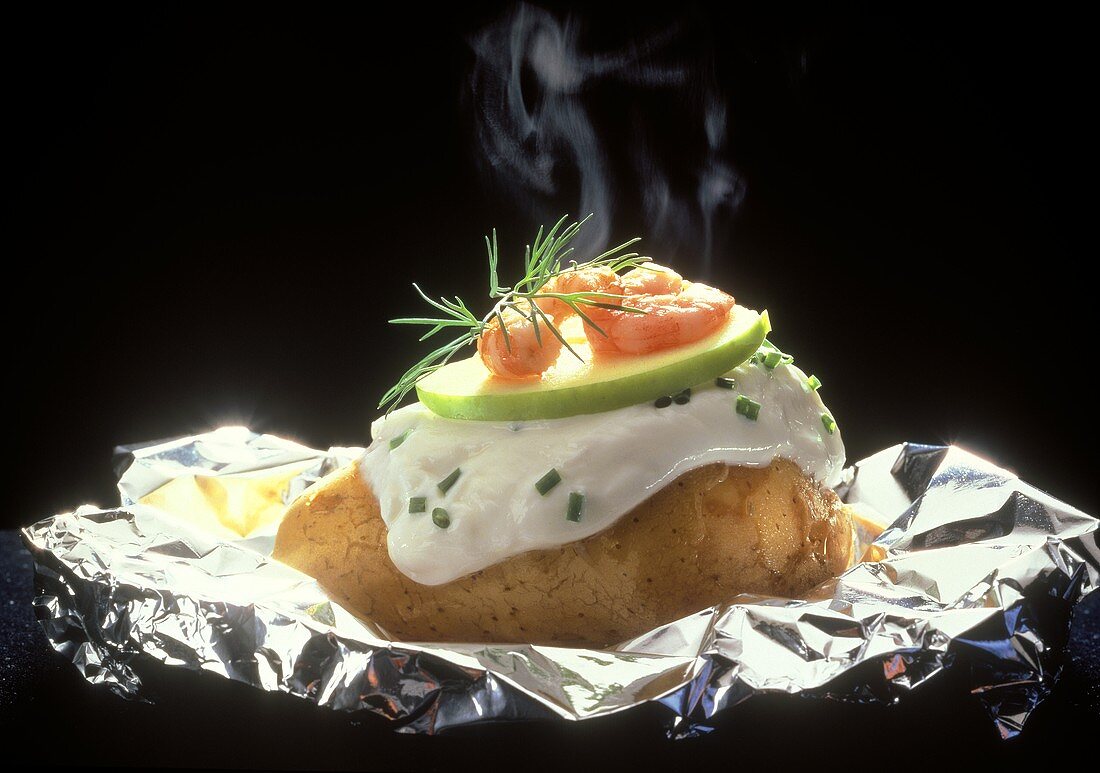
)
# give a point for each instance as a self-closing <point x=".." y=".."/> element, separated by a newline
<point x="536" y="99"/>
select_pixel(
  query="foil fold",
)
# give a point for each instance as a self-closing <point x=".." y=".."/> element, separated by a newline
<point x="976" y="570"/>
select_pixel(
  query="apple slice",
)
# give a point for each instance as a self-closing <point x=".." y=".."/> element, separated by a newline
<point x="467" y="390"/>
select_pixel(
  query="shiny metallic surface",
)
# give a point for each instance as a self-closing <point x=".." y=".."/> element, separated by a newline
<point x="977" y="571"/>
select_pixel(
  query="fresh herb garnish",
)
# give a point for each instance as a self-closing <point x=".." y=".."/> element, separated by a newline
<point x="747" y="407"/>
<point x="813" y="383"/>
<point x="445" y="485"/>
<point x="829" y="422"/>
<point x="544" y="259"/>
<point x="576" y="505"/>
<point x="725" y="383"/>
<point x="547" y="482"/>
<point x="770" y="356"/>
<point x="683" y="397"/>
<point x="400" y="439"/>
<point x="441" y="518"/>
<point x="418" y="504"/>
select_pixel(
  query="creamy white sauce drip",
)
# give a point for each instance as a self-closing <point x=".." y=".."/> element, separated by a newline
<point x="617" y="459"/>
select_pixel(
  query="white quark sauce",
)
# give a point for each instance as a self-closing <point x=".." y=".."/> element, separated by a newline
<point x="617" y="459"/>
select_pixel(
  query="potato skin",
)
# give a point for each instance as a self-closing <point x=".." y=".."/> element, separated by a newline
<point x="713" y="533"/>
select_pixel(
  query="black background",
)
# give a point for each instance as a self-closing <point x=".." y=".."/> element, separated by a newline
<point x="214" y="213"/>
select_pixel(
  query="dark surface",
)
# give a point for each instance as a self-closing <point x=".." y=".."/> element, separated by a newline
<point x="53" y="716"/>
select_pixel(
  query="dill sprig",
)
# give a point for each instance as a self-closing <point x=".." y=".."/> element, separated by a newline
<point x="546" y="258"/>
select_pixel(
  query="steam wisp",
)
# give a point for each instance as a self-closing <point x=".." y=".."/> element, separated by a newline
<point x="537" y="93"/>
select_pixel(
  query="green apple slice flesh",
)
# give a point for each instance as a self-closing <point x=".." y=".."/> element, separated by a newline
<point x="467" y="390"/>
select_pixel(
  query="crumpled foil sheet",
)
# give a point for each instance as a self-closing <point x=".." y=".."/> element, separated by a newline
<point x="978" y="571"/>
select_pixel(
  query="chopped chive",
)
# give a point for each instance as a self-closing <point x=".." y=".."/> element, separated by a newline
<point x="769" y="355"/>
<point x="399" y="439"/>
<point x="724" y="383"/>
<point x="662" y="402"/>
<point x="418" y="504"/>
<point x="747" y="407"/>
<point x="440" y="518"/>
<point x="683" y="398"/>
<point x="547" y="481"/>
<point x="829" y="422"/>
<point x="576" y="504"/>
<point x="814" y="383"/>
<point x="445" y="484"/>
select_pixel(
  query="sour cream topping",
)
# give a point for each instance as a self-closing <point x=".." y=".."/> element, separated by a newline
<point x="616" y="459"/>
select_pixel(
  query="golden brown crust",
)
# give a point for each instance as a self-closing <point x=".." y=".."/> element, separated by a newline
<point x="713" y="533"/>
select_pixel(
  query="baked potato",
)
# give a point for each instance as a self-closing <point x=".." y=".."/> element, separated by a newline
<point x="711" y="534"/>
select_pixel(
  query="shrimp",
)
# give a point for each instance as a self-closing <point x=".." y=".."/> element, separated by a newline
<point x="596" y="279"/>
<point x="676" y="312"/>
<point x="519" y="352"/>
<point x="515" y="351"/>
<point x="651" y="279"/>
<point x="670" y="320"/>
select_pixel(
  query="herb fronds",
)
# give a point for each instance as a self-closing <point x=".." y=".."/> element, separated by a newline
<point x="546" y="258"/>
